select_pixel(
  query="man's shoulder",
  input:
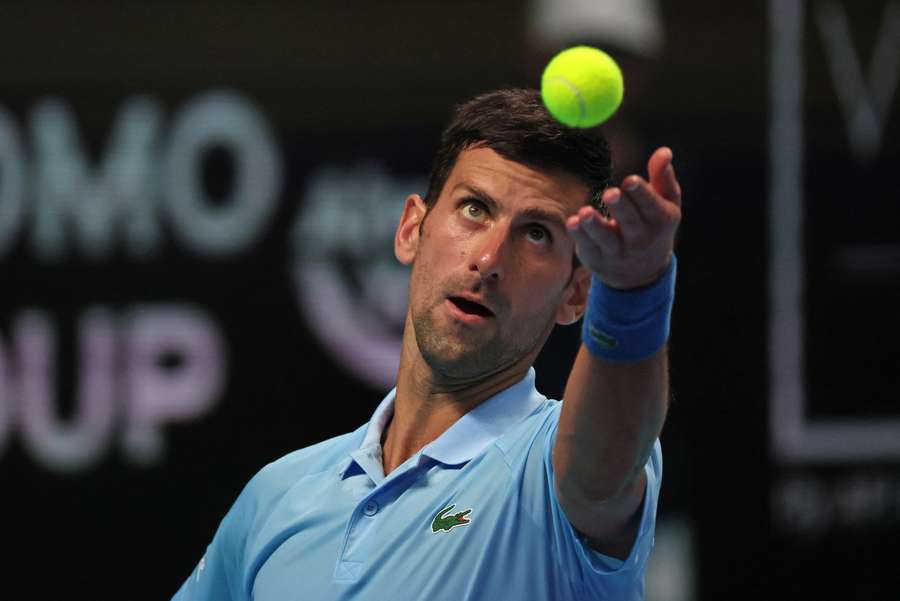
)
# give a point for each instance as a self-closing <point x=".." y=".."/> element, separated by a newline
<point x="525" y="434"/>
<point x="279" y="475"/>
<point x="273" y="483"/>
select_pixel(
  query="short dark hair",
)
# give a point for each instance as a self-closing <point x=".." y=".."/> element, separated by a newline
<point x="516" y="125"/>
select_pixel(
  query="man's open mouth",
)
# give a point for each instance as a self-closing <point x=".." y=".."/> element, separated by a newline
<point x="471" y="307"/>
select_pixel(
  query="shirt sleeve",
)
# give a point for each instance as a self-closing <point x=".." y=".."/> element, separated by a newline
<point x="219" y="575"/>
<point x="595" y="574"/>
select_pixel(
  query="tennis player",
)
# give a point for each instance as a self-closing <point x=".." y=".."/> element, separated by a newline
<point x="467" y="483"/>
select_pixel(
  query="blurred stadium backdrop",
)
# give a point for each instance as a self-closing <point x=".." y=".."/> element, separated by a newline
<point x="197" y="202"/>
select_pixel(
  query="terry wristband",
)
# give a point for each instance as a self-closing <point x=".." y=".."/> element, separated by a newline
<point x="629" y="325"/>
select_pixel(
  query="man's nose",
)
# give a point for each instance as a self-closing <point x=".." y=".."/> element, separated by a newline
<point x="489" y="255"/>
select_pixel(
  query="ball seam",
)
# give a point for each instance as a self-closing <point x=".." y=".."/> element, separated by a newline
<point x="582" y="109"/>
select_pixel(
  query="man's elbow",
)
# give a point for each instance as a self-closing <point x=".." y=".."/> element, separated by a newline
<point x="609" y="522"/>
<point x="599" y="491"/>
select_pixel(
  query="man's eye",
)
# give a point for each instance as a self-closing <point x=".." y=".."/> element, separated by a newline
<point x="538" y="234"/>
<point x="473" y="210"/>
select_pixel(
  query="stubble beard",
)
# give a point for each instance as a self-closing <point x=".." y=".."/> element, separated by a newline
<point x="454" y="354"/>
<point x="460" y="353"/>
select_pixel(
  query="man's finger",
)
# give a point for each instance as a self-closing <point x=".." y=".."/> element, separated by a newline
<point x="624" y="211"/>
<point x="591" y="229"/>
<point x="644" y="198"/>
<point x="662" y="175"/>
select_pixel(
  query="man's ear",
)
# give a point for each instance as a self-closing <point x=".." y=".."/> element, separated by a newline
<point x="574" y="301"/>
<point x="406" y="238"/>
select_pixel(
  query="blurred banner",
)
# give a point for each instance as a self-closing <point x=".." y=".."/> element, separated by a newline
<point x="834" y="283"/>
<point x="197" y="208"/>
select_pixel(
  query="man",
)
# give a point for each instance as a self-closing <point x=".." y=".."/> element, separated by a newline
<point x="467" y="483"/>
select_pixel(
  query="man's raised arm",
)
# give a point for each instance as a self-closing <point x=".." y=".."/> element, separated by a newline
<point x="617" y="393"/>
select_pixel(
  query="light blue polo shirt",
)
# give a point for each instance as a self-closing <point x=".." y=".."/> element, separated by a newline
<point x="473" y="515"/>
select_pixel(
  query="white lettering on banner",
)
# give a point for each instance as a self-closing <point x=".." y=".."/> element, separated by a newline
<point x="156" y="364"/>
<point x="227" y="120"/>
<point x="143" y="392"/>
<point x="144" y="175"/>
<point x="12" y="180"/>
<point x="72" y="199"/>
<point x="814" y="505"/>
<point x="158" y="394"/>
<point x="58" y="445"/>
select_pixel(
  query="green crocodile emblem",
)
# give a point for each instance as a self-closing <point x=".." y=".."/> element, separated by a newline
<point x="445" y="522"/>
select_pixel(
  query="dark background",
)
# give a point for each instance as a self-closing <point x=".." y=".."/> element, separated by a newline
<point x="342" y="83"/>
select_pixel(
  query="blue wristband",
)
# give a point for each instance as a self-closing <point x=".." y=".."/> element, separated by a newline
<point x="629" y="325"/>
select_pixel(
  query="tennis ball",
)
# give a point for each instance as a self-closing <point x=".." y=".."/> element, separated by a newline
<point x="582" y="86"/>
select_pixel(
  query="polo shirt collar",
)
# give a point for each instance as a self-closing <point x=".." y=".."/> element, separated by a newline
<point x="471" y="433"/>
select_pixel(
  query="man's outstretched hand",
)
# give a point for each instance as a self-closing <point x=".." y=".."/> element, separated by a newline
<point x="633" y="247"/>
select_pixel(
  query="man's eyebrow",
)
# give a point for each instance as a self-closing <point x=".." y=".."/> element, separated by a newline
<point x="551" y="217"/>
<point x="479" y="194"/>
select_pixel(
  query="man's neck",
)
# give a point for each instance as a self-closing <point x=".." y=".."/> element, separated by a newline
<point x="426" y="405"/>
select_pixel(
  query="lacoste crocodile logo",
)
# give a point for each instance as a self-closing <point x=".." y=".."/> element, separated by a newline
<point x="445" y="522"/>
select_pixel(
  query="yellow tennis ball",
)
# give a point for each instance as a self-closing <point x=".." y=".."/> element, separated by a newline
<point x="582" y="86"/>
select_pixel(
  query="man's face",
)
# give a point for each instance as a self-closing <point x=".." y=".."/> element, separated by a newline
<point x="492" y="264"/>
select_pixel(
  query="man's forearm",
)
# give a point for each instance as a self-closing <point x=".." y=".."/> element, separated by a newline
<point x="612" y="413"/>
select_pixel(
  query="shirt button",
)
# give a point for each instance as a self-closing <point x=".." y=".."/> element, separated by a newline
<point x="371" y="508"/>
